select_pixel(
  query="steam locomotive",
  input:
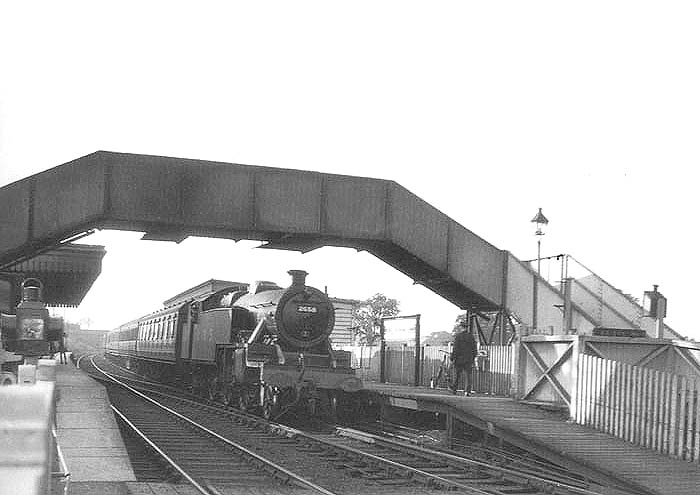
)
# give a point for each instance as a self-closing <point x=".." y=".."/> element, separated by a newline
<point x="28" y="334"/>
<point x="261" y="348"/>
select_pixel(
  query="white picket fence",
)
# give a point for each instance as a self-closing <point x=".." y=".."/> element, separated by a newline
<point x="647" y="407"/>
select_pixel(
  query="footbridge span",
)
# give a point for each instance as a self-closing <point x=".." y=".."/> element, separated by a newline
<point x="172" y="198"/>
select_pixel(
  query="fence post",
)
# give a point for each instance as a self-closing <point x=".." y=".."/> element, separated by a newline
<point x="382" y="353"/>
<point x="690" y="414"/>
<point x="696" y="406"/>
<point x="682" y="418"/>
<point x="417" y="365"/>
<point x="667" y="411"/>
<point x="575" y="353"/>
<point x="627" y="411"/>
<point x="672" y="447"/>
<point x="518" y="363"/>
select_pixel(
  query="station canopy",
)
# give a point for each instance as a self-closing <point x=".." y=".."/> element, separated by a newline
<point x="67" y="272"/>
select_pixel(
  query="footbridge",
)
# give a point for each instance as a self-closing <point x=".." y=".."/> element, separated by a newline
<point x="173" y="198"/>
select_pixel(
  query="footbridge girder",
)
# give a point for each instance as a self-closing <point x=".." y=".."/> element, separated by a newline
<point x="172" y="198"/>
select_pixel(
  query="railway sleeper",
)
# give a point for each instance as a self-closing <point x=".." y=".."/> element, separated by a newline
<point x="433" y="469"/>
<point x="521" y="489"/>
<point x="395" y="481"/>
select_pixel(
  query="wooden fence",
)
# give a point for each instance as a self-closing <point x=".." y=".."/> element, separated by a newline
<point x="647" y="407"/>
<point x="492" y="374"/>
<point x="495" y="375"/>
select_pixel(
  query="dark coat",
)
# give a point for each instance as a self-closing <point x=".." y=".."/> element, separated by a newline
<point x="464" y="349"/>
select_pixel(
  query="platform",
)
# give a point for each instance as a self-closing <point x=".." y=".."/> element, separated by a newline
<point x="595" y="455"/>
<point x="88" y="434"/>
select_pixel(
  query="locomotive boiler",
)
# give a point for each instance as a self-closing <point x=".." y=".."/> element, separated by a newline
<point x="263" y="348"/>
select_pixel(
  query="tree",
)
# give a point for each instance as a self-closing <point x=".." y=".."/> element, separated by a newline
<point x="439" y="338"/>
<point x="460" y="323"/>
<point x="368" y="315"/>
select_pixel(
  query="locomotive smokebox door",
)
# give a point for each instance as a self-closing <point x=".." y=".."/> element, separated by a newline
<point x="304" y="316"/>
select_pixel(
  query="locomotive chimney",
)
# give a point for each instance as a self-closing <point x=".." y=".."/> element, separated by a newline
<point x="298" y="277"/>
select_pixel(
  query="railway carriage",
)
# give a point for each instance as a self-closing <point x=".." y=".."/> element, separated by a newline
<point x="261" y="347"/>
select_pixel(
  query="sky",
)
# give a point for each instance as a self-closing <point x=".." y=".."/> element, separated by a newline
<point x="487" y="110"/>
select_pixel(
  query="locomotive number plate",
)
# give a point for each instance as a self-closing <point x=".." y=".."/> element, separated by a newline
<point x="307" y="309"/>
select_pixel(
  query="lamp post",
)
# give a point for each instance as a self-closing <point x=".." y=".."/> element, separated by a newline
<point x="540" y="221"/>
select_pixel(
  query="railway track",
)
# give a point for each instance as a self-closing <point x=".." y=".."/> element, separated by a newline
<point x="198" y="455"/>
<point x="364" y="463"/>
<point x="506" y="457"/>
<point x="445" y="470"/>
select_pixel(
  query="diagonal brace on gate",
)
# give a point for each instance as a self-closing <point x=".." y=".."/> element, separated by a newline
<point x="548" y="372"/>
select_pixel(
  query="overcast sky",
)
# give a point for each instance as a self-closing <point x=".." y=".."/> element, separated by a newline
<point x="487" y="110"/>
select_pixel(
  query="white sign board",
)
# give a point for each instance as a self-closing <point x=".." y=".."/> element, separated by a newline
<point x="400" y="330"/>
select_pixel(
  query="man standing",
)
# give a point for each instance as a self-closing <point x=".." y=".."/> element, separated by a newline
<point x="62" y="349"/>
<point x="463" y="358"/>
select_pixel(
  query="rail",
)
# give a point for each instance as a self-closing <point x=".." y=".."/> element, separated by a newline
<point x="425" y="470"/>
<point x="171" y="462"/>
<point x="290" y="475"/>
<point x="458" y="460"/>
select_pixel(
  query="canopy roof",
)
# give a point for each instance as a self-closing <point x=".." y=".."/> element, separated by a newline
<point x="67" y="272"/>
